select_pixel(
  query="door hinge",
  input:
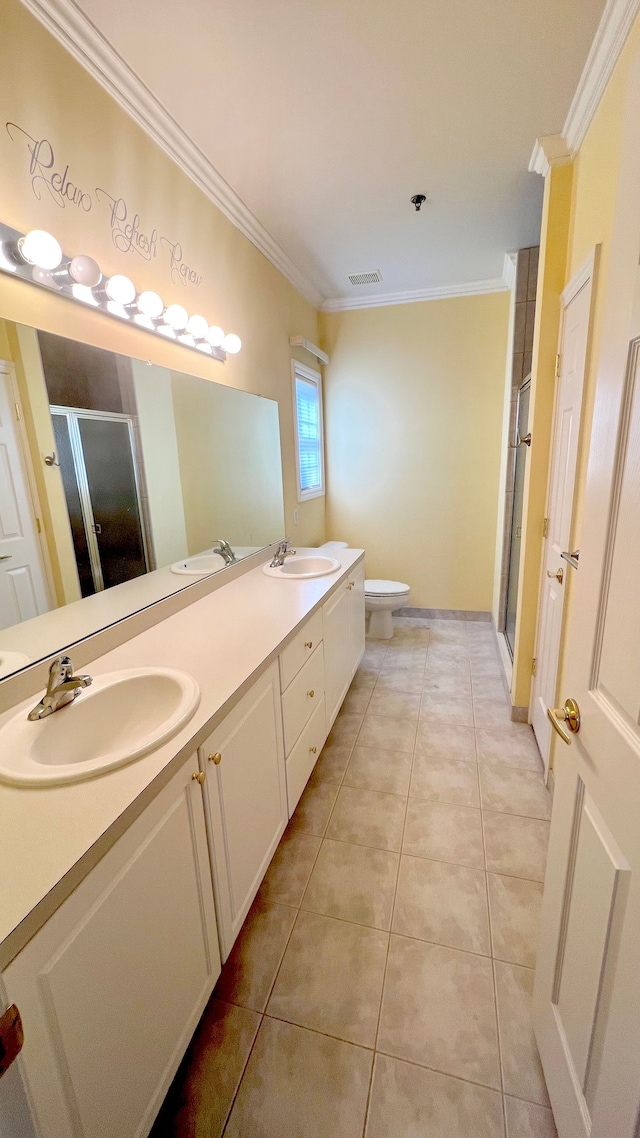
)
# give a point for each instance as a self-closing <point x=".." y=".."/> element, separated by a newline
<point x="18" y="415"/>
<point x="38" y="526"/>
<point x="534" y="666"/>
<point x="11" y="1037"/>
<point x="545" y="527"/>
<point x="557" y="371"/>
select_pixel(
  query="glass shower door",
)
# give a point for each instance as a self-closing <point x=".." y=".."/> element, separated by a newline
<point x="97" y="463"/>
<point x="521" y="451"/>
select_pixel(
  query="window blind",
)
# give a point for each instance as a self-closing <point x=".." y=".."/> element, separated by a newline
<point x="309" y="438"/>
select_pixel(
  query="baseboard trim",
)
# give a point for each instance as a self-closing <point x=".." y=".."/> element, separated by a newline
<point x="445" y="614"/>
<point x="519" y="714"/>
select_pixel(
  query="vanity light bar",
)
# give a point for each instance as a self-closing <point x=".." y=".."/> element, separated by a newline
<point x="37" y="257"/>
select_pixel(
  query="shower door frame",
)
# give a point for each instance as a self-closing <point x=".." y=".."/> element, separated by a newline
<point x="514" y="449"/>
<point x="72" y="414"/>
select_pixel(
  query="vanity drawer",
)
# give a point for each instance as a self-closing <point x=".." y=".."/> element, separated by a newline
<point x="302" y="697"/>
<point x="299" y="650"/>
<point x="305" y="754"/>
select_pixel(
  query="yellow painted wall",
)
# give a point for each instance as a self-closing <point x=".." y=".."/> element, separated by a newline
<point x="227" y="447"/>
<point x="584" y="196"/>
<point x="413" y="412"/>
<point x="592" y="216"/>
<point x="54" y="98"/>
<point x="551" y="280"/>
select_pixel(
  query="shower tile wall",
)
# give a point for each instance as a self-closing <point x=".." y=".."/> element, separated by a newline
<point x="525" y="310"/>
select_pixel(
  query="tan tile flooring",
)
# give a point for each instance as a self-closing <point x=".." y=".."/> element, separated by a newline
<point x="381" y="985"/>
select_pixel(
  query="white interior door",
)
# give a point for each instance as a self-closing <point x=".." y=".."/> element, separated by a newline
<point x="574" y="337"/>
<point x="23" y="591"/>
<point x="587" y="990"/>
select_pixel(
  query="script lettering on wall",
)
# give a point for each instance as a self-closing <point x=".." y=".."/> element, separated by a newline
<point x="45" y="177"/>
<point x="128" y="233"/>
<point x="127" y="236"/>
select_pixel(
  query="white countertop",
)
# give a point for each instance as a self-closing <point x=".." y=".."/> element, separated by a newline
<point x="222" y="640"/>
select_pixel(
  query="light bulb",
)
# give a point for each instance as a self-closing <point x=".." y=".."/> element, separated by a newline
<point x="198" y="327"/>
<point x="232" y="344"/>
<point x="177" y="317"/>
<point x="85" y="271"/>
<point x="41" y="249"/>
<point x="166" y="330"/>
<point x="215" y="336"/>
<point x="84" y="293"/>
<point x="150" y="304"/>
<point x="120" y="289"/>
<point x="144" y="321"/>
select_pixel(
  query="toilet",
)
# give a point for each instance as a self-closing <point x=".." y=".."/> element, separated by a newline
<point x="381" y="599"/>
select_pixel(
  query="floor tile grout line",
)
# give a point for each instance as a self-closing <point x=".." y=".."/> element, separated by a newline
<point x="241" y="1079"/>
<point x="393" y="902"/>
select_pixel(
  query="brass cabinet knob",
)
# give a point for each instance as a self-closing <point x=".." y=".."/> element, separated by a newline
<point x="198" y="776"/>
<point x="308" y="643"/>
<point x="568" y="715"/>
<point x="217" y="758"/>
<point x="313" y="750"/>
<point x="559" y="574"/>
<point x="311" y="693"/>
<point x="352" y="584"/>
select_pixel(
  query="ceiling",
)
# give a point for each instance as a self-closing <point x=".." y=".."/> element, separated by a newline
<point x="325" y="116"/>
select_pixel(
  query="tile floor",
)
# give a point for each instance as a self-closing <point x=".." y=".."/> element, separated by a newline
<point x="381" y="985"/>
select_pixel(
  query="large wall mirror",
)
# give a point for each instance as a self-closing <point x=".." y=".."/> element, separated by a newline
<point x="121" y="482"/>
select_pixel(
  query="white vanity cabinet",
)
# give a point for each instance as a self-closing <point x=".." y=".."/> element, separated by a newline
<point x="344" y="639"/>
<point x="111" y="988"/>
<point x="302" y="679"/>
<point x="245" y="800"/>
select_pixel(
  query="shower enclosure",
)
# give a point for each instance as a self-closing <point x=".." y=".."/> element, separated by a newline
<point x="97" y="458"/>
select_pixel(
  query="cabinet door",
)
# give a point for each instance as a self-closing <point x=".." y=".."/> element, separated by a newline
<point x="111" y="988"/>
<point x="336" y="626"/>
<point x="247" y="800"/>
<point x="357" y="624"/>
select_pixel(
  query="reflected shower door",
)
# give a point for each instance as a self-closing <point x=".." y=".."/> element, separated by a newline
<point x="97" y="460"/>
<point x="521" y="451"/>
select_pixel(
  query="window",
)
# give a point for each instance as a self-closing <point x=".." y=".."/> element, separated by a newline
<point x="307" y="408"/>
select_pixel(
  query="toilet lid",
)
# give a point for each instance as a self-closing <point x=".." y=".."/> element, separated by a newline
<point x="385" y="588"/>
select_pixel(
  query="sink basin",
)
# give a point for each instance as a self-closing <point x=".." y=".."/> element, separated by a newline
<point x="199" y="565"/>
<point x="122" y="716"/>
<point x="11" y="662"/>
<point x="297" y="567"/>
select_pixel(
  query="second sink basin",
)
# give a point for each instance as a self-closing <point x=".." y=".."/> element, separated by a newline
<point x="296" y="567"/>
<point x="121" y="717"/>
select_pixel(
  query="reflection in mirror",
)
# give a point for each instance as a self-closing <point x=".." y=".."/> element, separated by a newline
<point x="120" y="483"/>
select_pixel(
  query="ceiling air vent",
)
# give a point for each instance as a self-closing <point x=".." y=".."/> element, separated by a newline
<point x="373" y="277"/>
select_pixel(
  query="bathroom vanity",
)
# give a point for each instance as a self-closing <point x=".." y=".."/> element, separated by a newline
<point x="122" y="894"/>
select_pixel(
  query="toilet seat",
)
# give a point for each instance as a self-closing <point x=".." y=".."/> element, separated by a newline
<point x="379" y="588"/>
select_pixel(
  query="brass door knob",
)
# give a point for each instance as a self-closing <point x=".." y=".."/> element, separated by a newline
<point x="308" y="643"/>
<point x="569" y="715"/>
<point x="313" y="750"/>
<point x="311" y="693"/>
<point x="217" y="758"/>
<point x="559" y="575"/>
<point x="198" y="776"/>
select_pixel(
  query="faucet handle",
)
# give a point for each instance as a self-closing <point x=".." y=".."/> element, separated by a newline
<point x="60" y="669"/>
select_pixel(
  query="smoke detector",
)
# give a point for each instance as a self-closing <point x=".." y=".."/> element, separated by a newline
<point x="372" y="277"/>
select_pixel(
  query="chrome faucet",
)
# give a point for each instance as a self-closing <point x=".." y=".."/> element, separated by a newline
<point x="225" y="551"/>
<point x="283" y="550"/>
<point x="62" y="688"/>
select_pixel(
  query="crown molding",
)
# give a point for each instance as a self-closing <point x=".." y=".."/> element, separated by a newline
<point x="613" y="29"/>
<point x="549" y="150"/>
<point x="439" y="292"/>
<point x="509" y="269"/>
<point x="80" y="37"/>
